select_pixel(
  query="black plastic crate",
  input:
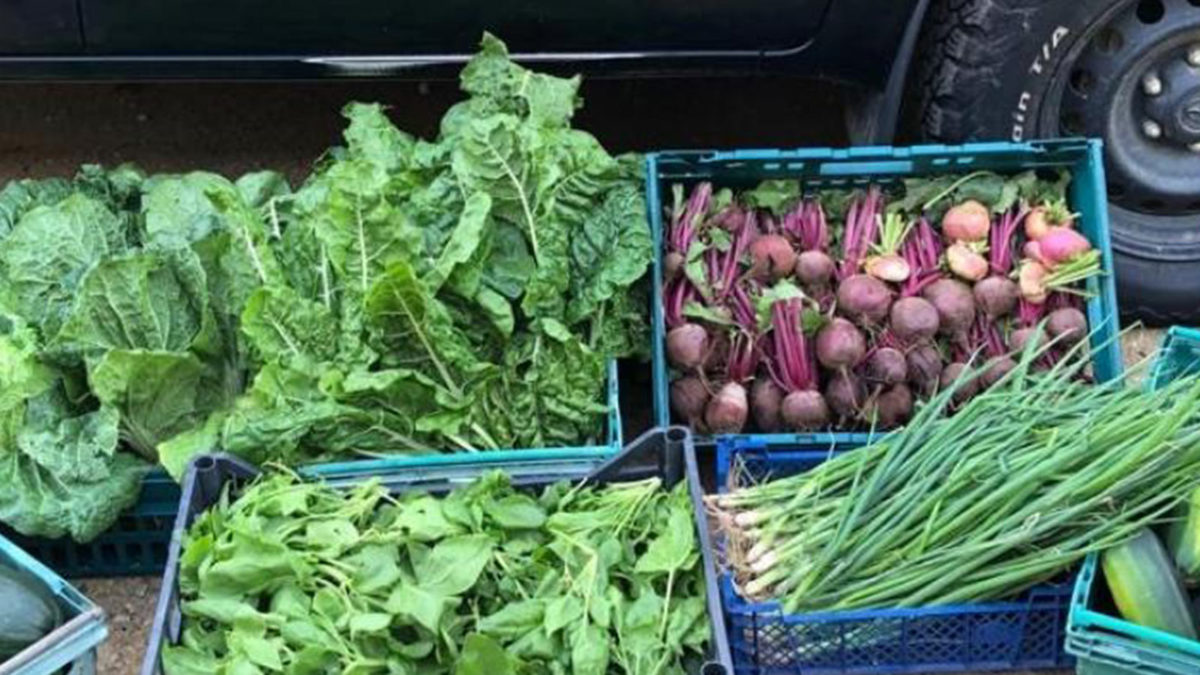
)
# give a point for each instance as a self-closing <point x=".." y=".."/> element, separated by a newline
<point x="665" y="453"/>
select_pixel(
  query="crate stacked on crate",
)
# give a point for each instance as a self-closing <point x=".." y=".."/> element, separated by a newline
<point x="71" y="647"/>
<point x="1024" y="632"/>
<point x="1102" y="641"/>
<point x="778" y="195"/>
<point x="663" y="457"/>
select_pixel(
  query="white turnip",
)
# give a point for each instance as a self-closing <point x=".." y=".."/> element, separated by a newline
<point x="965" y="263"/>
<point x="765" y="400"/>
<point x="840" y="345"/>
<point x="727" y="411"/>
<point x="955" y="304"/>
<point x="1031" y="279"/>
<point x="968" y="221"/>
<point x="687" y="346"/>
<point x="864" y="299"/>
<point x="773" y="258"/>
<point x="804" y="410"/>
<point x="1061" y="244"/>
<point x="913" y="319"/>
<point x="1068" y="325"/>
<point x="996" y="296"/>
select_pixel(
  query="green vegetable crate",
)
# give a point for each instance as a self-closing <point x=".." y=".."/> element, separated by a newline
<point x="665" y="453"/>
<point x="137" y="544"/>
<point x="854" y="167"/>
<point x="70" y="648"/>
<point x="1103" y="643"/>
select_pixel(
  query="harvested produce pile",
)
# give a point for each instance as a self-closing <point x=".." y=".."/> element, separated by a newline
<point x="457" y="294"/>
<point x="799" y="311"/>
<point x="298" y="577"/>
<point x="1020" y="484"/>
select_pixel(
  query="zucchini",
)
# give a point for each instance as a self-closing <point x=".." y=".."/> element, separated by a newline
<point x="30" y="611"/>
<point x="1146" y="587"/>
<point x="1183" y="539"/>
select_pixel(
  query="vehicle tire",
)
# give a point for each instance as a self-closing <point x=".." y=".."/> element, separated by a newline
<point x="1127" y="71"/>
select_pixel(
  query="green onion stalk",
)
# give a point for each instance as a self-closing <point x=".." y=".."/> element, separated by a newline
<point x="1013" y="489"/>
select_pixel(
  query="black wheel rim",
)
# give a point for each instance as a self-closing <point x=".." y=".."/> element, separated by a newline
<point x="1134" y="80"/>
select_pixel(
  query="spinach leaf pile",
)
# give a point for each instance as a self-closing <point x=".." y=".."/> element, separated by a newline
<point x="296" y="577"/>
<point x="463" y="293"/>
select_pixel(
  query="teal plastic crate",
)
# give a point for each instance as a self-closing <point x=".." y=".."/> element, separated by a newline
<point x="1178" y="356"/>
<point x="73" y="644"/>
<point x="854" y="167"/>
<point x="1103" y="643"/>
<point x="137" y="544"/>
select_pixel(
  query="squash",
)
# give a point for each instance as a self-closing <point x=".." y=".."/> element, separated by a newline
<point x="1146" y="587"/>
<point x="30" y="611"/>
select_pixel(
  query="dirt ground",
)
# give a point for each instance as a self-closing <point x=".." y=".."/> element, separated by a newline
<point x="232" y="128"/>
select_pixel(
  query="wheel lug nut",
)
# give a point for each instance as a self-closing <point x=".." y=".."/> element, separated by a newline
<point x="1193" y="56"/>
<point x="1151" y="84"/>
<point x="1151" y="129"/>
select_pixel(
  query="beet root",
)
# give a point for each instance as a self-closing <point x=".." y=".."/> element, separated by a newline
<point x="887" y="366"/>
<point x="924" y="367"/>
<point x="996" y="296"/>
<point x="773" y="258"/>
<point x="1022" y="336"/>
<point x="891" y="408"/>
<point x="814" y="269"/>
<point x="1068" y="325"/>
<point x="673" y="263"/>
<point x="727" y="411"/>
<point x="804" y="410"/>
<point x="718" y="352"/>
<point x="864" y="299"/>
<point x="765" y="400"/>
<point x="689" y="397"/>
<point x="840" y="344"/>
<point x="955" y="304"/>
<point x="687" y="346"/>
<point x="996" y="369"/>
<point x="956" y="372"/>
<point x="914" y="319"/>
<point x="844" y="395"/>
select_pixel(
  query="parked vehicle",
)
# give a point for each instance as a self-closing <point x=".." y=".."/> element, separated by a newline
<point x="1127" y="71"/>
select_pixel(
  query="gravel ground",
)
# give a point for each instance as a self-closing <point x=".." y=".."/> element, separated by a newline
<point x="232" y="128"/>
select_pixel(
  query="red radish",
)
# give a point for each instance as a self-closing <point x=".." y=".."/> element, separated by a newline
<point x="891" y="408"/>
<point x="726" y="412"/>
<point x="1061" y="244"/>
<point x="913" y="319"/>
<point x="765" y="400"/>
<point x="924" y="367"/>
<point x="673" y="263"/>
<point x="687" y="346"/>
<point x="1068" y="325"/>
<point x="844" y="395"/>
<point x="840" y="344"/>
<point x="887" y="268"/>
<point x="1031" y="278"/>
<point x="689" y="397"/>
<point x="966" y="222"/>
<point x="955" y="304"/>
<point x="996" y="296"/>
<point x="887" y="366"/>
<point x="804" y="410"/>
<point x="966" y="263"/>
<point x="773" y="258"/>
<point x="954" y="373"/>
<point x="1022" y="336"/>
<point x="864" y="299"/>
<point x="814" y="269"/>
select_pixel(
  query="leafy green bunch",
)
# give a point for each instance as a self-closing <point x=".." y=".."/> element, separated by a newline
<point x="295" y="577"/>
<point x="411" y="296"/>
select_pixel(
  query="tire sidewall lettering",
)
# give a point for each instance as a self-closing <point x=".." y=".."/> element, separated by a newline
<point x="1052" y="46"/>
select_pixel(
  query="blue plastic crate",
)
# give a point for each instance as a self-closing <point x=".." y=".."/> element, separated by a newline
<point x="71" y="644"/>
<point x="1178" y="356"/>
<point x="854" y="167"/>
<point x="1024" y="633"/>
<point x="137" y="543"/>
